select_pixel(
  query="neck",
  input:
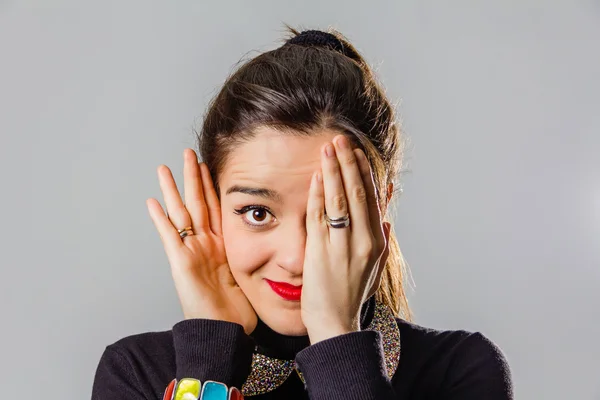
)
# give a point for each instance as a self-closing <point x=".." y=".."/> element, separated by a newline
<point x="285" y="347"/>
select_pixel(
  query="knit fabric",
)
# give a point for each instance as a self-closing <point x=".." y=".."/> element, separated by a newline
<point x="434" y="364"/>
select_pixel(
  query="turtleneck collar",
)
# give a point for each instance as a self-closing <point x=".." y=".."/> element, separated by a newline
<point x="285" y="347"/>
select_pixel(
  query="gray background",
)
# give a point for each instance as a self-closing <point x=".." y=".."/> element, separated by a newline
<point x="499" y="220"/>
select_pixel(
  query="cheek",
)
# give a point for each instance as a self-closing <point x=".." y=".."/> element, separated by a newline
<point x="245" y="251"/>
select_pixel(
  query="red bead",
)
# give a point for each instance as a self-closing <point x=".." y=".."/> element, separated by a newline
<point x="169" y="391"/>
<point x="235" y="394"/>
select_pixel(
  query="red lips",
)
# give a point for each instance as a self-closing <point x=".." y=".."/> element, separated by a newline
<point x="285" y="290"/>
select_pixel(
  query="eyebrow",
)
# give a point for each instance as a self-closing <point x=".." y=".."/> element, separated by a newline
<point x="268" y="194"/>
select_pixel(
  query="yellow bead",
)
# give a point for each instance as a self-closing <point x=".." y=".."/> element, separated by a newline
<point x="187" y="389"/>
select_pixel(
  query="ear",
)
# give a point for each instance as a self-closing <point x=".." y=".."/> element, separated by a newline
<point x="390" y="192"/>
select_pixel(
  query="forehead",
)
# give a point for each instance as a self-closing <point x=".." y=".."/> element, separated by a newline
<point x="274" y="159"/>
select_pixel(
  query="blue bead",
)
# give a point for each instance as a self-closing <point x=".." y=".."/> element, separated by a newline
<point x="213" y="391"/>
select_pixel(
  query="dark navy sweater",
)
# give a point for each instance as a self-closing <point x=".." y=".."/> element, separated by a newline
<point x="434" y="364"/>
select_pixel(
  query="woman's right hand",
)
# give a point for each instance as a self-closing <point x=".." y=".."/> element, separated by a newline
<point x="203" y="280"/>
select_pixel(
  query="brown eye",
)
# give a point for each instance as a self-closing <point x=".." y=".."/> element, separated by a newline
<point x="258" y="214"/>
<point x="255" y="216"/>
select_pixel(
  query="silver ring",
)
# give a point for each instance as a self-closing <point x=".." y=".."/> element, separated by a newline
<point x="185" y="232"/>
<point x="341" y="222"/>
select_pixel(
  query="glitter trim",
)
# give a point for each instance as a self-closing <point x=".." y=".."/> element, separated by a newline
<point x="269" y="373"/>
<point x="266" y="374"/>
<point x="385" y="322"/>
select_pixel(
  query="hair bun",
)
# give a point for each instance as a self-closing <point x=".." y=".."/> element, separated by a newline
<point x="323" y="39"/>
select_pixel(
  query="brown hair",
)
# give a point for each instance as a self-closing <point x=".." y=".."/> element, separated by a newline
<point x="299" y="90"/>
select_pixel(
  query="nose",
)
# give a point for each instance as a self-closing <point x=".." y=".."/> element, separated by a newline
<point x="290" y="245"/>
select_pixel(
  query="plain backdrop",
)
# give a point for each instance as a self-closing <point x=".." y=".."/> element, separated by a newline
<point x="499" y="219"/>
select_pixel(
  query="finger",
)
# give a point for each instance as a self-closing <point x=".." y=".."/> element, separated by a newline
<point x="354" y="189"/>
<point x="212" y="200"/>
<point x="176" y="210"/>
<point x="316" y="228"/>
<point x="194" y="194"/>
<point x="372" y="200"/>
<point x="335" y="197"/>
<point x="168" y="233"/>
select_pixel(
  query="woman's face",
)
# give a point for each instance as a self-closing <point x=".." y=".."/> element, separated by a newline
<point x="267" y="242"/>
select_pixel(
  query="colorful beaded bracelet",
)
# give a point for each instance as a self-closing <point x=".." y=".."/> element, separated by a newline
<point x="193" y="389"/>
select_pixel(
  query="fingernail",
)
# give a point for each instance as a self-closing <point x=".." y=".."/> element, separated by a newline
<point x="342" y="142"/>
<point x="329" y="150"/>
<point x="361" y="155"/>
<point x="363" y="163"/>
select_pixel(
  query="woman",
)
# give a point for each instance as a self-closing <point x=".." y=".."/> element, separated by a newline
<point x="283" y="255"/>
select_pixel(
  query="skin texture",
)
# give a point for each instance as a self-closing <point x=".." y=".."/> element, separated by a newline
<point x="219" y="271"/>
<point x="276" y="247"/>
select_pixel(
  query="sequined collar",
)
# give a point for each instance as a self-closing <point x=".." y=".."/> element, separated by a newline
<point x="268" y="372"/>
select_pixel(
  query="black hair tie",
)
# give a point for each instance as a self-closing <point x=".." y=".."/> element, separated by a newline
<point x="323" y="39"/>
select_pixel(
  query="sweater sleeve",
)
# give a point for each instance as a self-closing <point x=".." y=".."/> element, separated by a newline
<point x="204" y="349"/>
<point x="212" y="350"/>
<point x="346" y="367"/>
<point x="352" y="366"/>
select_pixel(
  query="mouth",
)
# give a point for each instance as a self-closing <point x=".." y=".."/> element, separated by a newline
<point x="285" y="290"/>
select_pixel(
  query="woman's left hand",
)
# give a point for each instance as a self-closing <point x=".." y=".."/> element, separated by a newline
<point x="342" y="266"/>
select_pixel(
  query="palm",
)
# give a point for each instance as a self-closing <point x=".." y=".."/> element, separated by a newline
<point x="203" y="279"/>
<point x="204" y="262"/>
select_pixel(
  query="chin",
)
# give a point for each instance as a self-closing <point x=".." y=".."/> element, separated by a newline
<point x="283" y="321"/>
